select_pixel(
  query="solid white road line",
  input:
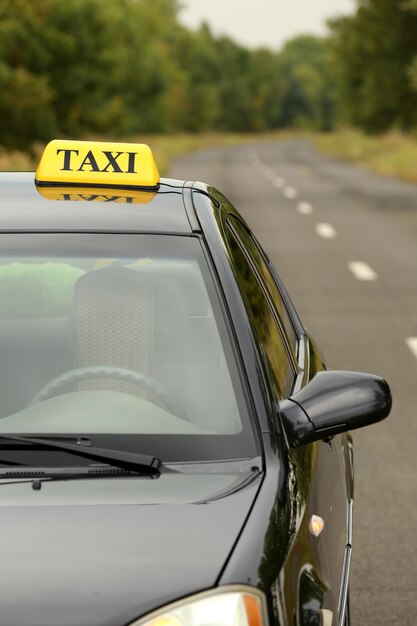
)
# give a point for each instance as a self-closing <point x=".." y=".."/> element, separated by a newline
<point x="290" y="193"/>
<point x="327" y="231"/>
<point x="304" y="208"/>
<point x="412" y="344"/>
<point x="362" y="271"/>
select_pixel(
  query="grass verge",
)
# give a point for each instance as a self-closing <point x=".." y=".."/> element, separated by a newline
<point x="391" y="154"/>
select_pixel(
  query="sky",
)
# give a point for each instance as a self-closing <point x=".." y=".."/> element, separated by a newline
<point x="264" y="22"/>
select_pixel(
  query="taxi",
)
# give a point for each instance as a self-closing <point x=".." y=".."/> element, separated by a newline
<point x="173" y="451"/>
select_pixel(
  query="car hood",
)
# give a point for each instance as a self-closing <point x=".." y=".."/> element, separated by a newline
<point x="103" y="552"/>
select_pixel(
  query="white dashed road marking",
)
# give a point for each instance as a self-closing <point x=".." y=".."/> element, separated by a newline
<point x="290" y="193"/>
<point x="279" y="182"/>
<point x="412" y="344"/>
<point x="327" y="231"/>
<point x="304" y="208"/>
<point x="362" y="271"/>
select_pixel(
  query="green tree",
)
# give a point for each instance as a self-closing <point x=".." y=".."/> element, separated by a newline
<point x="229" y="86"/>
<point x="26" y="95"/>
<point x="233" y="85"/>
<point x="25" y="107"/>
<point x="309" y="95"/>
<point x="123" y="67"/>
<point x="197" y="56"/>
<point x="266" y="87"/>
<point x="412" y="70"/>
<point x="86" y="66"/>
<point x="374" y="51"/>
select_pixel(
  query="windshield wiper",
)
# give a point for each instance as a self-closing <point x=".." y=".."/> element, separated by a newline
<point x="131" y="461"/>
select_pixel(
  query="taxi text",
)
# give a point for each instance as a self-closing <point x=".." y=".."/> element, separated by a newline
<point x="100" y="161"/>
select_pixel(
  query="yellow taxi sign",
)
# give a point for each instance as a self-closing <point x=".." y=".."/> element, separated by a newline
<point x="67" y="163"/>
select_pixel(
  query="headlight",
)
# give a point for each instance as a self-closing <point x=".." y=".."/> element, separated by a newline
<point x="224" y="606"/>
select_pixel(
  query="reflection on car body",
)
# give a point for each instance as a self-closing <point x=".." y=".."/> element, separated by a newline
<point x="172" y="448"/>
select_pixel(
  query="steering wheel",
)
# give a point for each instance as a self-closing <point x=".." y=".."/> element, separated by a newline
<point x="56" y="386"/>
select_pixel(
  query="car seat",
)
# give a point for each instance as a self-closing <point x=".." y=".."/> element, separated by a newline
<point x="112" y="324"/>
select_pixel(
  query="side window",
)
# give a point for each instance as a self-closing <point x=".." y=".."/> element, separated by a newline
<point x="256" y="254"/>
<point x="264" y="324"/>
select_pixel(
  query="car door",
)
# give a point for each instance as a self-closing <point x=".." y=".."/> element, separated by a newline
<point x="315" y="565"/>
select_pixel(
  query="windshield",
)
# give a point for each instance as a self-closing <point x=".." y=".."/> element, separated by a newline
<point x="119" y="338"/>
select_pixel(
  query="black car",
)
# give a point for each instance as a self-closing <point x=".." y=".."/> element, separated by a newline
<point x="173" y="451"/>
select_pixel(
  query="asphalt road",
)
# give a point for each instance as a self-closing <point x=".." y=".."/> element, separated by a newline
<point x="316" y="216"/>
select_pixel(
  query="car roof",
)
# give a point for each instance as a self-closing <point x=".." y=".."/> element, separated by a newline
<point x="24" y="209"/>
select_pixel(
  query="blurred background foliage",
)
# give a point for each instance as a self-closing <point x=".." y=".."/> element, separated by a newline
<point x="124" y="67"/>
<point x="375" y="53"/>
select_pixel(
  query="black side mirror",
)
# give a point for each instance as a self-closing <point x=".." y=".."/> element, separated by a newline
<point x="334" y="402"/>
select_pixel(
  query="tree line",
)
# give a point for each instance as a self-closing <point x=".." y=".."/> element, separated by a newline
<point x="124" y="67"/>
<point x="374" y="55"/>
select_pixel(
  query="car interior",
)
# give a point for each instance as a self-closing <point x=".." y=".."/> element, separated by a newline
<point x="149" y="316"/>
